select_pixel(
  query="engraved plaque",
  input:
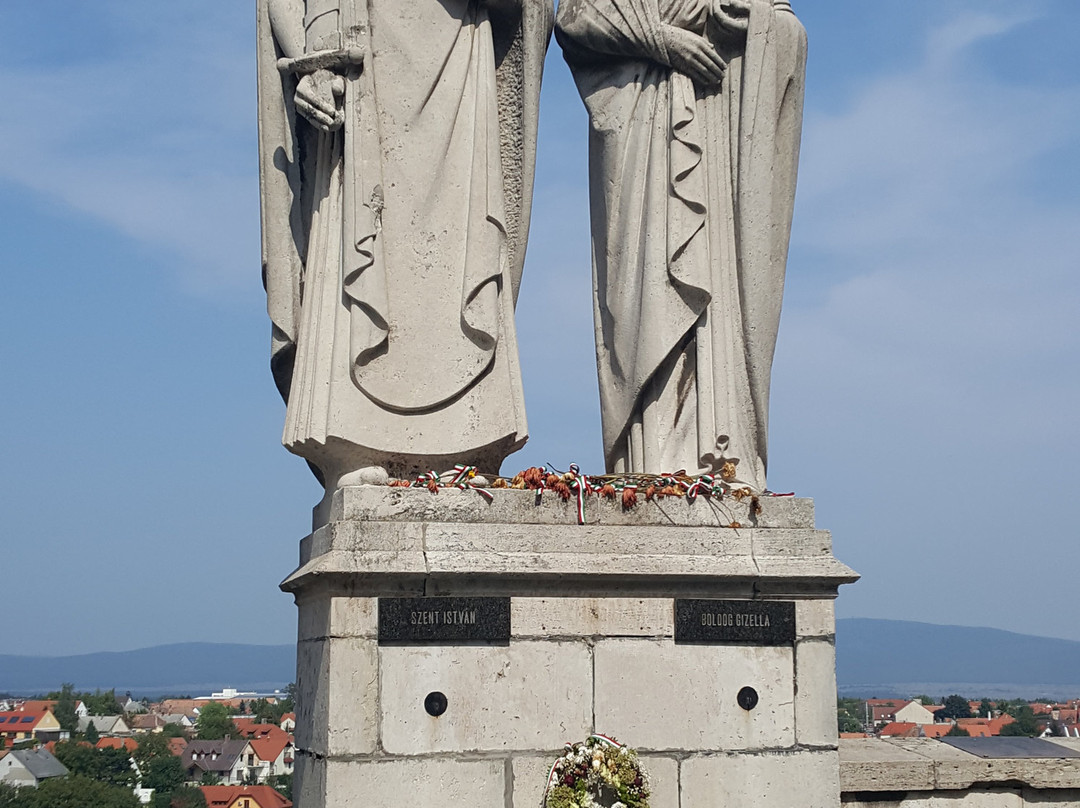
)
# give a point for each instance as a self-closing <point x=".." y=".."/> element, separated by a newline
<point x="444" y="620"/>
<point x="734" y="622"/>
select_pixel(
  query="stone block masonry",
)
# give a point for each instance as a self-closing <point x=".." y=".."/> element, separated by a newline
<point x="592" y="648"/>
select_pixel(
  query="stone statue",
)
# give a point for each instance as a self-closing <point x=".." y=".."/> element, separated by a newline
<point x="397" y="143"/>
<point x="696" y="113"/>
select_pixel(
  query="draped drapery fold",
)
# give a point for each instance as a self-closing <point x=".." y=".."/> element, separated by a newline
<point x="391" y="289"/>
<point x="691" y="192"/>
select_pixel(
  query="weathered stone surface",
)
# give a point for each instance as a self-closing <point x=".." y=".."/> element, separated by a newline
<point x="663" y="780"/>
<point x="337" y="696"/>
<point x="568" y="560"/>
<point x="422" y="783"/>
<point x="312" y="695"/>
<point x="815" y="693"/>
<point x="904" y="763"/>
<point x="869" y="764"/>
<point x="377" y="503"/>
<point x="815" y="618"/>
<point x="309" y="783"/>
<point x="323" y="615"/>
<point x="659" y="696"/>
<point x="768" y="780"/>
<point x="530" y="778"/>
<point x="588" y="617"/>
<point x="528" y="696"/>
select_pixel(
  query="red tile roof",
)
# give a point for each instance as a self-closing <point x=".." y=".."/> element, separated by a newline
<point x="262" y="796"/>
<point x="22" y="720"/>
<point x="935" y="730"/>
<point x="268" y="740"/>
<point x="900" y="729"/>
<point x="975" y="727"/>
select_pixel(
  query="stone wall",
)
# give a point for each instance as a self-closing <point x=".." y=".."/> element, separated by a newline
<point x="574" y="666"/>
<point x="592" y="650"/>
<point x="927" y="773"/>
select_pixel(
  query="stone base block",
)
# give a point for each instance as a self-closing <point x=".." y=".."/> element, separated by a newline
<point x="592" y="649"/>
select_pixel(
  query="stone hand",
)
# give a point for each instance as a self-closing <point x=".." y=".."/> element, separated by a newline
<point x="318" y="98"/>
<point x="694" y="55"/>
<point x="732" y="15"/>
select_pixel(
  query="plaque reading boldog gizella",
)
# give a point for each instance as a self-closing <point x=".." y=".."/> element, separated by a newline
<point x="731" y="622"/>
<point x="444" y="620"/>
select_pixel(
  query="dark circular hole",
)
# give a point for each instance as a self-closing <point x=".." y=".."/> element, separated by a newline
<point x="435" y="703"/>
<point x="747" y="698"/>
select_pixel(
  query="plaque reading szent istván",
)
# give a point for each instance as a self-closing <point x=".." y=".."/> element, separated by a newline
<point x="731" y="622"/>
<point x="444" y="620"/>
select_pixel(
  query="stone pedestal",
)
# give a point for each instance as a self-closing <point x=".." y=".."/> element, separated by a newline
<point x="592" y="649"/>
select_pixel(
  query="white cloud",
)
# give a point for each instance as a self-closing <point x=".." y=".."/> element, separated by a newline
<point x="935" y="360"/>
<point x="155" y="140"/>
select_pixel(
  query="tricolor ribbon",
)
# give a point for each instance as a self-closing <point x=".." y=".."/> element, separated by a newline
<point x="702" y="485"/>
<point x="425" y="479"/>
<point x="462" y="472"/>
<point x="581" y="487"/>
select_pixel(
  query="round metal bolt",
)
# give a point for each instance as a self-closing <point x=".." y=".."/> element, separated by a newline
<point x="435" y="703"/>
<point x="747" y="698"/>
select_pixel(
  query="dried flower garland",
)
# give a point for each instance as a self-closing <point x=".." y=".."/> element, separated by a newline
<point x="598" y="772"/>
<point x="628" y="488"/>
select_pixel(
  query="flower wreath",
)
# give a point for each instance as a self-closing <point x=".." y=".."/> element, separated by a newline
<point x="597" y="772"/>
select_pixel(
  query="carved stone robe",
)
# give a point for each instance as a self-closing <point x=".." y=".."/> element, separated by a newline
<point x="393" y="246"/>
<point x="692" y="192"/>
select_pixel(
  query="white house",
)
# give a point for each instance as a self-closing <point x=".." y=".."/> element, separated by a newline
<point x="915" y="713"/>
<point x="28" y="767"/>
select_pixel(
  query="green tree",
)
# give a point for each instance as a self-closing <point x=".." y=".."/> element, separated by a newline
<point x="75" y="792"/>
<point x="215" y="723"/>
<point x="282" y="783"/>
<point x="210" y="779"/>
<point x="1025" y="723"/>
<point x="101" y="702"/>
<point x="65" y="708"/>
<point x="164" y="774"/>
<point x="986" y="709"/>
<point x="114" y="766"/>
<point x="957" y="731"/>
<point x="79" y="759"/>
<point x="8" y="796"/>
<point x="849" y="713"/>
<point x="111" y="766"/>
<point x="955" y="707"/>
<point x="924" y="700"/>
<point x="172" y="730"/>
<point x="92" y="736"/>
<point x="151" y="745"/>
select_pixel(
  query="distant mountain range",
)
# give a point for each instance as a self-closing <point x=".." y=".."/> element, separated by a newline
<point x="196" y="668"/>
<point x="873" y="658"/>
<point x="897" y="658"/>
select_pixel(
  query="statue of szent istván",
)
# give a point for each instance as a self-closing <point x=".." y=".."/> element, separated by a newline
<point x="397" y="144"/>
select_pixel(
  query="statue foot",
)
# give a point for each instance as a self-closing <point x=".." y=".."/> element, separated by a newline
<point x="369" y="475"/>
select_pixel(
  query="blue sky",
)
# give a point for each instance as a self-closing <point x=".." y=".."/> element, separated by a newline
<point x="925" y="391"/>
